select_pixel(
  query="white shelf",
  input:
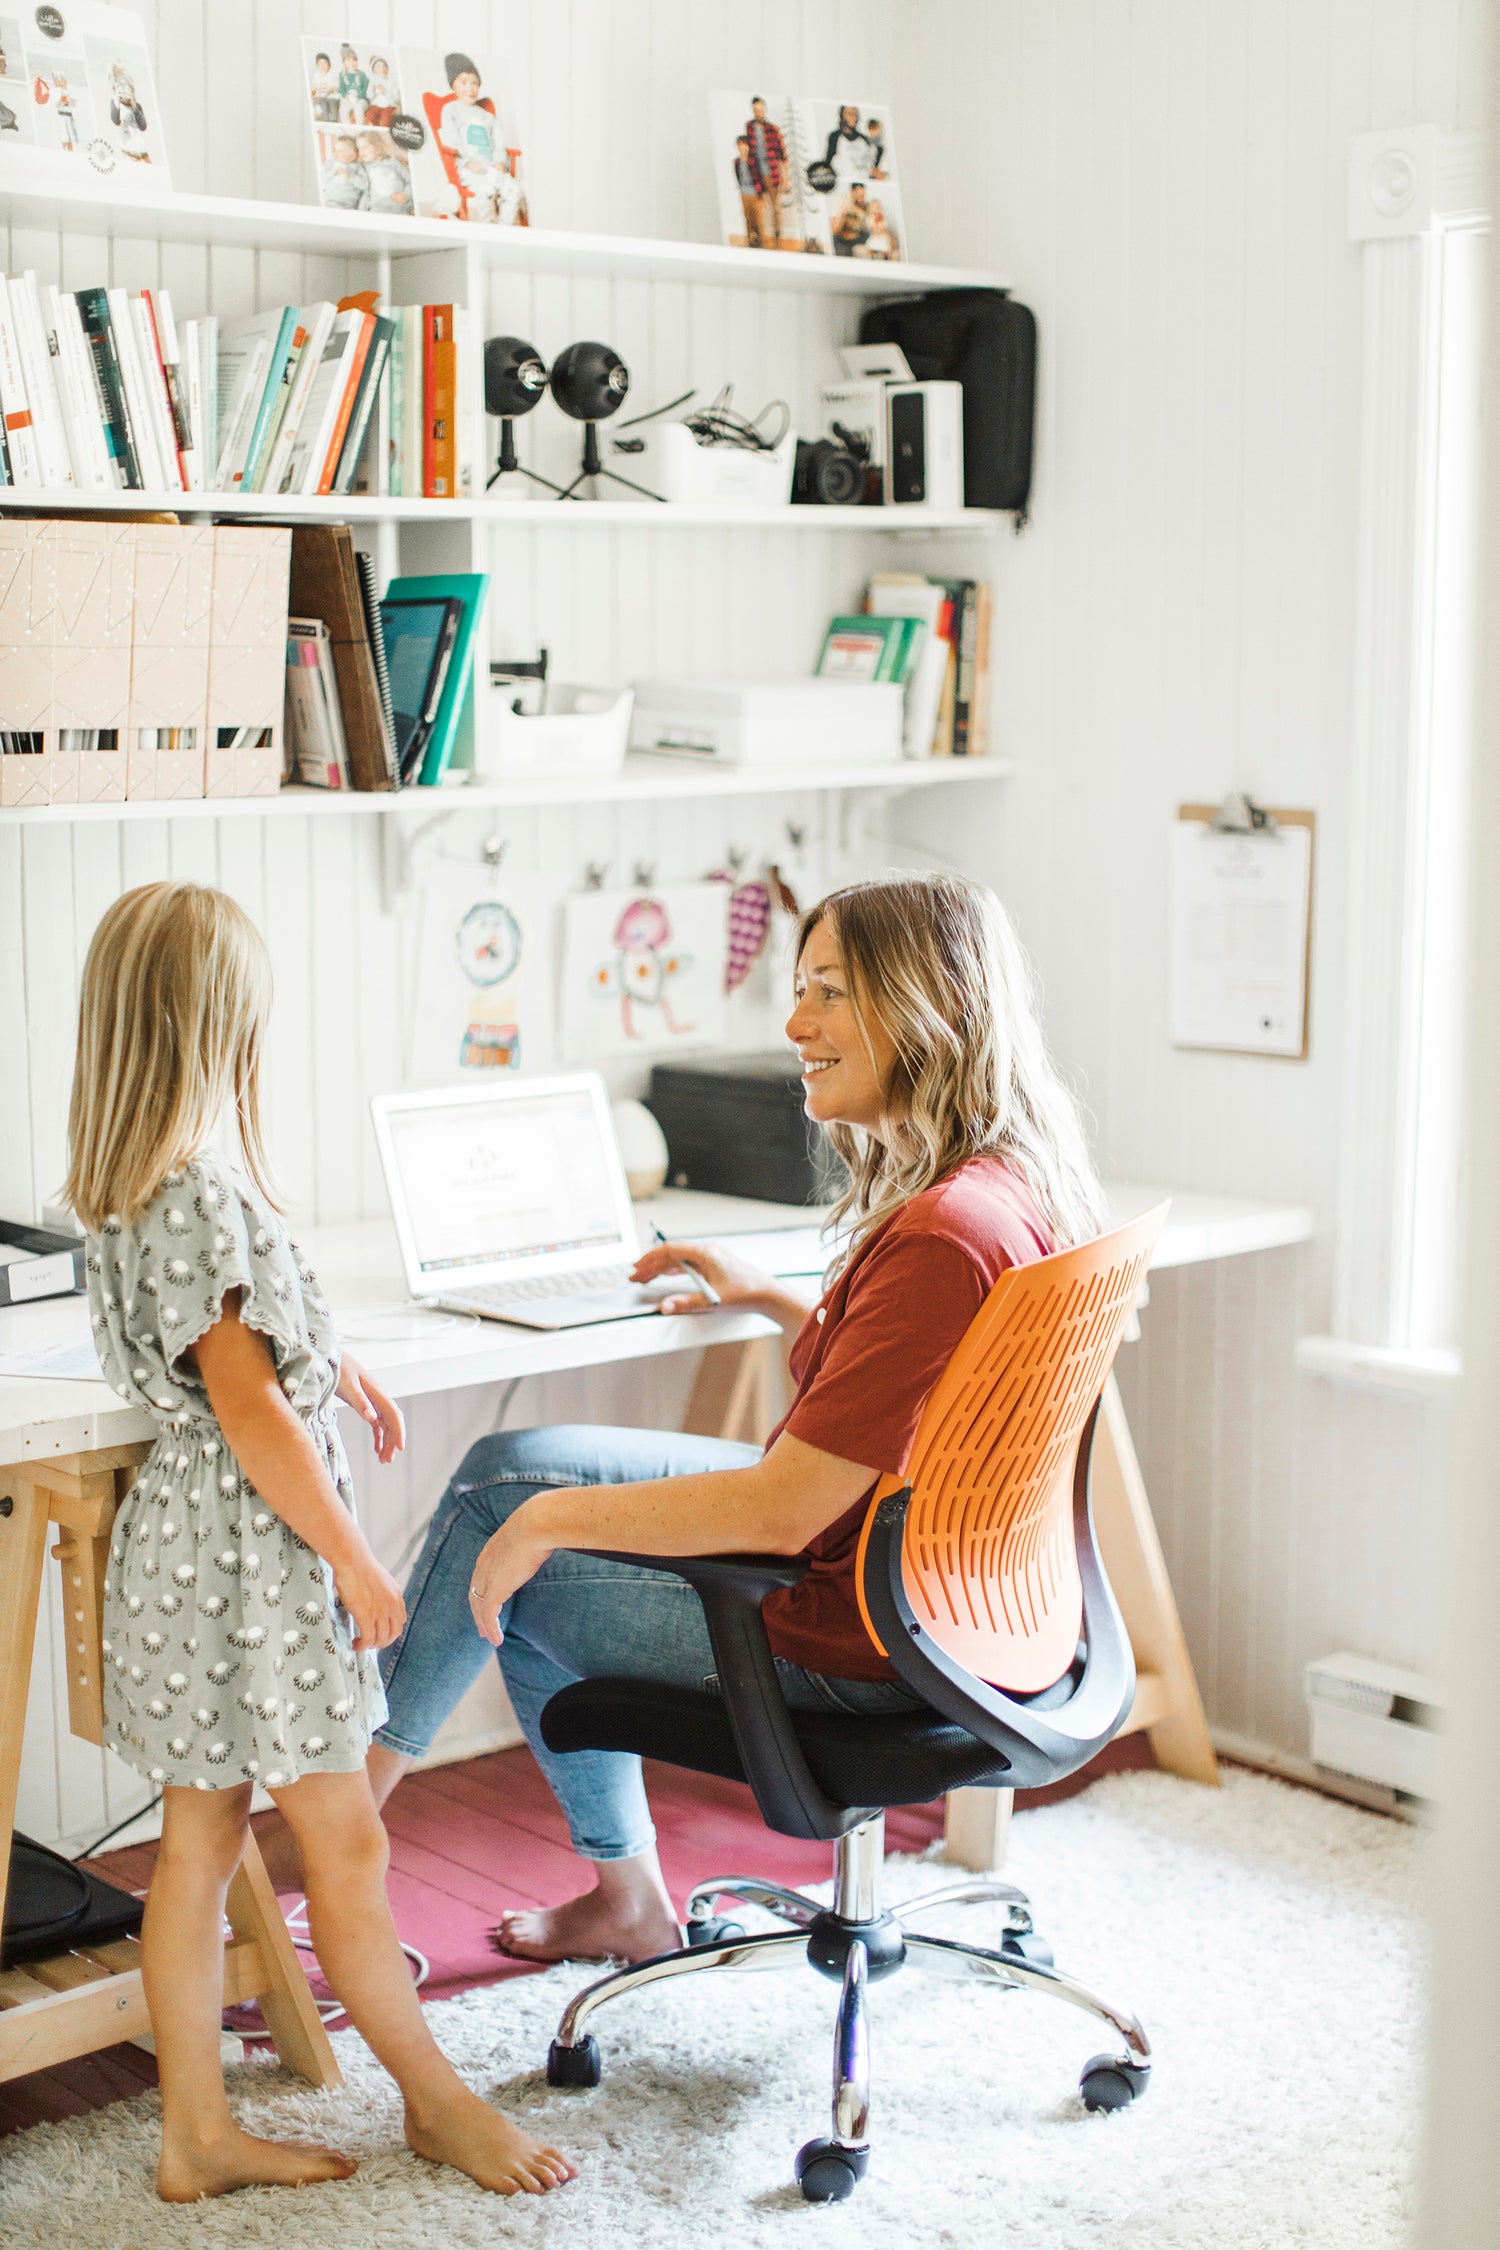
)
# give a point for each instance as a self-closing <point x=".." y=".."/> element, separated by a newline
<point x="643" y="779"/>
<point x="238" y="222"/>
<point x="598" y="514"/>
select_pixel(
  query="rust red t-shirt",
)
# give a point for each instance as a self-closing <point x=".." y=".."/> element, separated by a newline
<point x="865" y="1360"/>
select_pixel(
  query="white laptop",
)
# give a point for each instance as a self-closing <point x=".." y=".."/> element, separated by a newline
<point x="510" y="1201"/>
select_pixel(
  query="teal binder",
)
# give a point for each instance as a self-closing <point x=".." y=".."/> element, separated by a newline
<point x="470" y="588"/>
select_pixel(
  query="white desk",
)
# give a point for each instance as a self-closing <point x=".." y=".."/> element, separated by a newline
<point x="359" y="1268"/>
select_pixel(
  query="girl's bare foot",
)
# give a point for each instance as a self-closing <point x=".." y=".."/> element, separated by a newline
<point x="593" y="1927"/>
<point x="466" y="2133"/>
<point x="191" y="2169"/>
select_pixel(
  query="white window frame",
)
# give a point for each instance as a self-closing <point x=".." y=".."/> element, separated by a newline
<point x="1418" y="207"/>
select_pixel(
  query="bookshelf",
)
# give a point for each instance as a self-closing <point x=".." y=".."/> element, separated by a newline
<point x="634" y="515"/>
<point x="642" y="780"/>
<point x="227" y="222"/>
<point x="496" y="272"/>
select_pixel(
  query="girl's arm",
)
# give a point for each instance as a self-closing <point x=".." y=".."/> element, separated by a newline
<point x="773" y="1507"/>
<point x="275" y="1449"/>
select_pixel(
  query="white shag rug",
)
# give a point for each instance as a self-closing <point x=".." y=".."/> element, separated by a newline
<point x="1270" y="1940"/>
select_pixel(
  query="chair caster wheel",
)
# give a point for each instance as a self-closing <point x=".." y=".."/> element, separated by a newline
<point x="1111" y="2082"/>
<point x="1026" y="1947"/>
<point x="575" y="2066"/>
<point x="714" y="1932"/>
<point x="828" y="2172"/>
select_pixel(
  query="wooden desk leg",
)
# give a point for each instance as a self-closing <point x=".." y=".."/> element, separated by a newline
<point x="288" y="2006"/>
<point x="23" y="1547"/>
<point x="737" y="1391"/>
<point x="1138" y="1573"/>
<point x="976" y="1823"/>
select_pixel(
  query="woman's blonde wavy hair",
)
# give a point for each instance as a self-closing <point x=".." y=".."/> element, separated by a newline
<point x="935" y="961"/>
<point x="176" y="993"/>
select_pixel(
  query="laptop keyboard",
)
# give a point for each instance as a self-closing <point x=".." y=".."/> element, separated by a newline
<point x="495" y="1293"/>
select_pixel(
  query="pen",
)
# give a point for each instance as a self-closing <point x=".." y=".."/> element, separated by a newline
<point x="704" y="1288"/>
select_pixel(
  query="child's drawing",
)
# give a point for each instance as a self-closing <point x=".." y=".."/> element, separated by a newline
<point x="643" y="972"/>
<point x="478" y="975"/>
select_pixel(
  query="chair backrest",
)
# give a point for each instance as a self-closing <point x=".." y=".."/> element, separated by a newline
<point x="989" y="1559"/>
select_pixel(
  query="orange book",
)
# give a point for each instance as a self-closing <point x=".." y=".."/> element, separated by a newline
<point x="353" y="365"/>
<point x="439" y="403"/>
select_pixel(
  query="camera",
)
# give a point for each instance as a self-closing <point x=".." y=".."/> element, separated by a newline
<point x="830" y="472"/>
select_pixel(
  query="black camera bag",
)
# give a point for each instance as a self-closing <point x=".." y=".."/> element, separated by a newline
<point x="986" y="341"/>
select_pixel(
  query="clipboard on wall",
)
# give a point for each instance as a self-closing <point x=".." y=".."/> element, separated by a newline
<point x="1240" y="893"/>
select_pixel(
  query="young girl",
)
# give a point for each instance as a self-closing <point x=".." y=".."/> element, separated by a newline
<point x="243" y="1606"/>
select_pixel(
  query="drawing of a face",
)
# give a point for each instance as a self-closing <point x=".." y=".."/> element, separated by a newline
<point x="644" y="965"/>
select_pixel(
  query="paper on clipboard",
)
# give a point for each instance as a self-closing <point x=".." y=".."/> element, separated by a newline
<point x="1240" y="919"/>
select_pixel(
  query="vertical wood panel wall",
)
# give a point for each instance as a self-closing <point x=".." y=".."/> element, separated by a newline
<point x="1166" y="180"/>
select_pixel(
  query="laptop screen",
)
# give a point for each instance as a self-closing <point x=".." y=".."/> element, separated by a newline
<point x="519" y="1176"/>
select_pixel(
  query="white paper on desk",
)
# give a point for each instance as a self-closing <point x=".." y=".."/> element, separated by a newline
<point x="69" y="1363"/>
<point x="1238" y="938"/>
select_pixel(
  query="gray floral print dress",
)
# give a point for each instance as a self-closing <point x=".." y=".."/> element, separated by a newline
<point x="228" y="1656"/>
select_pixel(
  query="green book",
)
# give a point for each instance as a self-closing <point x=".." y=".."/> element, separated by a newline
<point x="861" y="648"/>
<point x="469" y="588"/>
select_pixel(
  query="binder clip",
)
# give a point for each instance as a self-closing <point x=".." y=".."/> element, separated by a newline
<point x="1239" y="815"/>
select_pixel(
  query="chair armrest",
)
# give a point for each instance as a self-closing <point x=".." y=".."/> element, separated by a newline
<point x="752" y="1576"/>
<point x="731" y="1589"/>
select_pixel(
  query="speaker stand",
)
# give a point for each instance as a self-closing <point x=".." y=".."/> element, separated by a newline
<point x="593" y="468"/>
<point x="508" y="463"/>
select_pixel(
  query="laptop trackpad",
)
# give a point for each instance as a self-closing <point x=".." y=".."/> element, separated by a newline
<point x="581" y="1311"/>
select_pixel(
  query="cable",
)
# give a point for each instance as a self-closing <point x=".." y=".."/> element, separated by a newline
<point x="140" y="1814"/>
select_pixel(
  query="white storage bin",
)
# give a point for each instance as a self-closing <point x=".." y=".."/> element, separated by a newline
<point x="673" y="464"/>
<point x="585" y="731"/>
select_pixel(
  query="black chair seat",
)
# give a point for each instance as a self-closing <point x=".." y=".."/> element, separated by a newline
<point x="903" y="1760"/>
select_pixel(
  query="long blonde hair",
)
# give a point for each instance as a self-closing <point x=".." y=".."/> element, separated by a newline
<point x="176" y="992"/>
<point x="935" y="961"/>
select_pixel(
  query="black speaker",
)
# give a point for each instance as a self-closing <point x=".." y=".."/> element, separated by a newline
<point x="589" y="382"/>
<point x="515" y="380"/>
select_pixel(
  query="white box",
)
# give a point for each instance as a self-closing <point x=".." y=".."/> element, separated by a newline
<point x="770" y="722"/>
<point x="924" y="435"/>
<point x="585" y="731"/>
<point x="674" y="465"/>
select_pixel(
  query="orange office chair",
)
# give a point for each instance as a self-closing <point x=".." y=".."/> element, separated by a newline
<point x="981" y="1580"/>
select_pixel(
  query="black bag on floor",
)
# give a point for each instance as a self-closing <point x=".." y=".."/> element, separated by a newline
<point x="986" y="341"/>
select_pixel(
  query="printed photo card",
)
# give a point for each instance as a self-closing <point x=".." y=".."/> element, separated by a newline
<point x="411" y="132"/>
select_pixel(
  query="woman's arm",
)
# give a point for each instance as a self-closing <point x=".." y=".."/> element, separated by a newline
<point x="275" y="1449"/>
<point x="734" y="1281"/>
<point x="773" y="1507"/>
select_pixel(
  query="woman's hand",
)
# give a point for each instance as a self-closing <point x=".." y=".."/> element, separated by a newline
<point x="371" y="1596"/>
<point x="734" y="1280"/>
<point x="505" y="1562"/>
<point x="359" y="1390"/>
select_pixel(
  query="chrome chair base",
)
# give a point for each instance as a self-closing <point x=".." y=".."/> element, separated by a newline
<point x="856" y="1942"/>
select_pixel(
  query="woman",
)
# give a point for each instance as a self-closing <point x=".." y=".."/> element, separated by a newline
<point x="923" y="1060"/>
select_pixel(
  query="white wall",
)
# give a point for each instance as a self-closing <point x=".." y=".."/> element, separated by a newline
<point x="1164" y="182"/>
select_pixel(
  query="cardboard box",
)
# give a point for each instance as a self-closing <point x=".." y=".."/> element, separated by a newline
<point x="171" y="617"/>
<point x="95" y="586"/>
<point x="247" y="661"/>
<point x="28" y="598"/>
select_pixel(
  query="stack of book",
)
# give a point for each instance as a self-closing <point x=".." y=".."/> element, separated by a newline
<point x="101" y="390"/>
<point x="932" y="637"/>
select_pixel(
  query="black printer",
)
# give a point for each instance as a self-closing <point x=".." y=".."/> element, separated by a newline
<point x="735" y="1125"/>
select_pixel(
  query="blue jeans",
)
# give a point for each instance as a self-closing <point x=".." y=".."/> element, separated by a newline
<point x="579" y="1618"/>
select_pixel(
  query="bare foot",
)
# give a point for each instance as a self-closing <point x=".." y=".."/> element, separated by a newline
<point x="191" y="2169"/>
<point x="476" y="2139"/>
<point x="591" y="1927"/>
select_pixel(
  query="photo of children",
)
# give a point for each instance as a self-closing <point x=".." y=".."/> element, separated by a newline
<point x="851" y="169"/>
<point x="797" y="173"/>
<point x="759" y="200"/>
<point x="469" y="165"/>
<point x="411" y="132"/>
<point x="363" y="170"/>
<point x="77" y="92"/>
